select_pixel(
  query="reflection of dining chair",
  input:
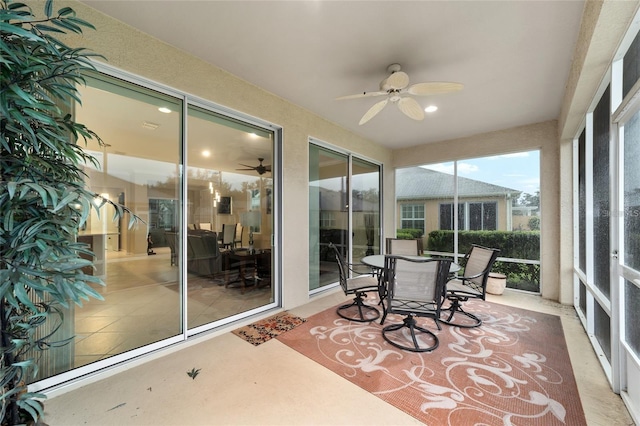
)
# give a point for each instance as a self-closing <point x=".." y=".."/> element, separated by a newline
<point x="263" y="268"/>
<point x="403" y="247"/>
<point x="473" y="285"/>
<point x="415" y="288"/>
<point x="228" y="235"/>
<point x="358" y="284"/>
<point x="205" y="226"/>
<point x="237" y="239"/>
<point x="172" y="242"/>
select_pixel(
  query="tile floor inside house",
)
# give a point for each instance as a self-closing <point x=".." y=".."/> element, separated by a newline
<point x="142" y="294"/>
<point x="271" y="384"/>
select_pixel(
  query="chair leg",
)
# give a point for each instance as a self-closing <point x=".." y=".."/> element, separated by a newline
<point x="411" y="324"/>
<point x="363" y="309"/>
<point x="455" y="308"/>
<point x="382" y="295"/>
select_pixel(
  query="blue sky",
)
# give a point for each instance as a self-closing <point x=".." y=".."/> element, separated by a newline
<point x="519" y="171"/>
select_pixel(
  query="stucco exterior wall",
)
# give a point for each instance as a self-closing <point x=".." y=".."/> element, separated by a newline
<point x="432" y="211"/>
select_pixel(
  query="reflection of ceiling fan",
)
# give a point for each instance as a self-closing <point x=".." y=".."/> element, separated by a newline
<point x="259" y="168"/>
<point x="397" y="85"/>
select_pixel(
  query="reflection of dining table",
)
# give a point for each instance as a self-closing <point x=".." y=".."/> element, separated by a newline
<point x="377" y="261"/>
<point x="245" y="260"/>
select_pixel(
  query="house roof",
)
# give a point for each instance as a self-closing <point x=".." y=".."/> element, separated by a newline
<point x="421" y="183"/>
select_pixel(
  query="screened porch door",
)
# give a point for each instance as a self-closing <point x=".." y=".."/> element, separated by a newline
<point x="628" y="266"/>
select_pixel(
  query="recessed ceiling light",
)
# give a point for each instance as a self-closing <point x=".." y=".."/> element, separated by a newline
<point x="164" y="110"/>
<point x="206" y="153"/>
<point x="431" y="108"/>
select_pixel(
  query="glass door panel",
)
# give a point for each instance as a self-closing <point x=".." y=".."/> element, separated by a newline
<point x="365" y="208"/>
<point x="631" y="191"/>
<point x="328" y="213"/>
<point x="630" y="261"/>
<point x="229" y="217"/>
<point x="142" y="299"/>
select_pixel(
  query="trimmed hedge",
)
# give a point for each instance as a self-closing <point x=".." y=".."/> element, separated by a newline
<point x="408" y="234"/>
<point x="514" y="245"/>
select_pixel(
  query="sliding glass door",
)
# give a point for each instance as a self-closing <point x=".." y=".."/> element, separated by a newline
<point x="629" y="262"/>
<point x="344" y="209"/>
<point x="187" y="169"/>
<point x="229" y="188"/>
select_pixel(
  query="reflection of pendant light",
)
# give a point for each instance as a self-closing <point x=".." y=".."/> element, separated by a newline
<point x="216" y="197"/>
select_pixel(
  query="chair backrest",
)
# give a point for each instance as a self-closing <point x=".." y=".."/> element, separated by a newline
<point x="210" y="240"/>
<point x="415" y="285"/>
<point x="228" y="233"/>
<point x="480" y="260"/>
<point x="403" y="247"/>
<point x="238" y="236"/>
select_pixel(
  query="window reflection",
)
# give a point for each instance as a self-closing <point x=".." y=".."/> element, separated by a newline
<point x="139" y="165"/>
<point x="229" y="218"/>
<point x="331" y="189"/>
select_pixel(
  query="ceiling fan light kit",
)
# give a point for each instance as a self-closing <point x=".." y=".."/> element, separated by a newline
<point x="396" y="88"/>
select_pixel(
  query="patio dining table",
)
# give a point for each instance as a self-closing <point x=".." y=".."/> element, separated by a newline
<point x="376" y="261"/>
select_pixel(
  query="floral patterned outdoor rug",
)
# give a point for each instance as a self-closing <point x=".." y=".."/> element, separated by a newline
<point x="513" y="370"/>
<point x="268" y="328"/>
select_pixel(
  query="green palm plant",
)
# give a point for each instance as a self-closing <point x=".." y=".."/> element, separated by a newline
<point x="43" y="198"/>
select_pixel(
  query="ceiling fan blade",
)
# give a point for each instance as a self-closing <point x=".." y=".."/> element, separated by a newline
<point x="398" y="80"/>
<point x="376" y="108"/>
<point x="361" y="95"/>
<point x="252" y="168"/>
<point x="267" y="168"/>
<point x="434" y="88"/>
<point x="246" y="165"/>
<point x="411" y="108"/>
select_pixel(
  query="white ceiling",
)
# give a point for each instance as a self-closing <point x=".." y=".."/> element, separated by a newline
<point x="512" y="56"/>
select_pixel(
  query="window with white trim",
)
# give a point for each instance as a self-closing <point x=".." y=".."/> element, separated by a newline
<point x="412" y="216"/>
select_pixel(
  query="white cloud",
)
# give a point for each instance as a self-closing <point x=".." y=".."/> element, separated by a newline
<point x="467" y="169"/>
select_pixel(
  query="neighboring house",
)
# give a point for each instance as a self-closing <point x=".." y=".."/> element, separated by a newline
<point x="425" y="201"/>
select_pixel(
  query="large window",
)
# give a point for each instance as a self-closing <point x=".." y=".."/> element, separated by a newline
<point x="447" y="216"/>
<point x="472" y="216"/>
<point x="412" y="216"/>
<point x="477" y="201"/>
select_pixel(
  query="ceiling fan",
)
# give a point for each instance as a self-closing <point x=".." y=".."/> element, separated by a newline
<point x="396" y="88"/>
<point x="261" y="169"/>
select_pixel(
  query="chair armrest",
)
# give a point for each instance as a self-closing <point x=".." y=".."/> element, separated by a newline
<point x="360" y="269"/>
